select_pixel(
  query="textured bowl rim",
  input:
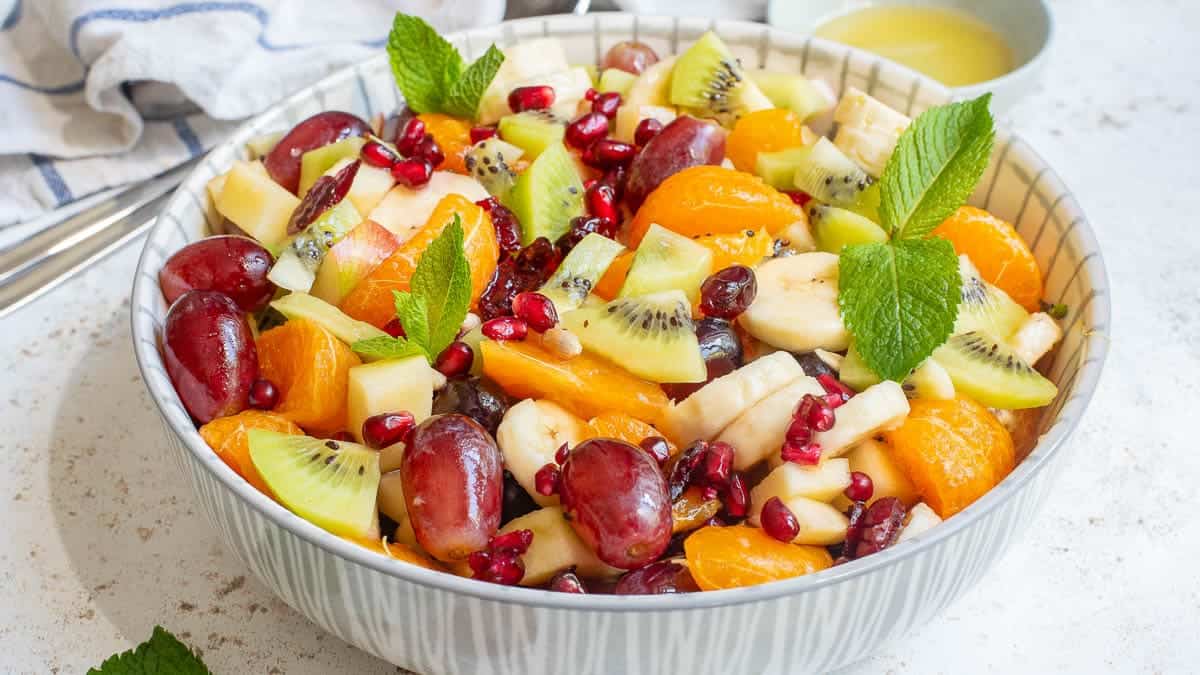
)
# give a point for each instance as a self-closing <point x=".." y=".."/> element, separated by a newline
<point x="1086" y="378"/>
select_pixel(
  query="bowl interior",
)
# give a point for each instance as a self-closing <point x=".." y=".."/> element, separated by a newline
<point x="1018" y="186"/>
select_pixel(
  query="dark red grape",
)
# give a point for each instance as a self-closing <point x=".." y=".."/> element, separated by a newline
<point x="283" y="162"/>
<point x="630" y="56"/>
<point x="685" y="142"/>
<point x="517" y="501"/>
<point x="235" y="266"/>
<point x="615" y="498"/>
<point x="322" y="196"/>
<point x="728" y="292"/>
<point x="453" y="485"/>
<point x="656" y="579"/>
<point x="210" y="355"/>
<point x="722" y="353"/>
<point x="812" y="365"/>
<point x="566" y="581"/>
<point x="880" y="526"/>
<point x="478" y="399"/>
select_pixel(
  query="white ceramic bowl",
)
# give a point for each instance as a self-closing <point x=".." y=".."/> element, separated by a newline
<point x="1027" y="26"/>
<point x="431" y="622"/>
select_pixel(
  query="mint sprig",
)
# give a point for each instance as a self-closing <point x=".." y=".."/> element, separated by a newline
<point x="433" y="309"/>
<point x="899" y="298"/>
<point x="162" y="654"/>
<point x="431" y="73"/>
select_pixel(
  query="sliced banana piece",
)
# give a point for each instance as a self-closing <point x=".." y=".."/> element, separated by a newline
<point x="879" y="408"/>
<point x="920" y="519"/>
<point x="868" y="130"/>
<point x="529" y="435"/>
<point x="797" y="304"/>
<point x="759" y="431"/>
<point x="555" y="547"/>
<point x="823" y="482"/>
<point x="707" y="411"/>
<point x="1036" y="337"/>
<point x="820" y="523"/>
<point x="392" y="505"/>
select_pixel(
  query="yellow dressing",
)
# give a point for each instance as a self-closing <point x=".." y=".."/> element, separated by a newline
<point x="949" y="45"/>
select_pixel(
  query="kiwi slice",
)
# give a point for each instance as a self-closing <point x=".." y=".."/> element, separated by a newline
<point x="985" y="308"/>
<point x="820" y="169"/>
<point x="305" y="306"/>
<point x="651" y="336"/>
<point x="332" y="484"/>
<point x="835" y="228"/>
<point x="296" y="267"/>
<point x="992" y="373"/>
<point x="807" y="98"/>
<point x="533" y="131"/>
<point x="928" y="380"/>
<point x="315" y="162"/>
<point x="547" y="195"/>
<point x="708" y="77"/>
<point x="490" y="162"/>
<point x="867" y="204"/>
<point x="615" y="79"/>
<point x="667" y="260"/>
<point x="580" y="270"/>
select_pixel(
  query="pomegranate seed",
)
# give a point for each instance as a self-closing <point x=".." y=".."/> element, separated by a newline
<point x="798" y="432"/>
<point x="455" y="360"/>
<point x="727" y="293"/>
<point x="394" y="328"/>
<point x="799" y="198"/>
<point x="585" y="130"/>
<point x="538" y="97"/>
<point x="263" y="394"/>
<point x="590" y="95"/>
<point x="545" y="481"/>
<point x="429" y="150"/>
<point x="861" y="487"/>
<point x="506" y="570"/>
<point x="816" y="413"/>
<point x="836" y="390"/>
<point x="602" y="202"/>
<point x="855" y="514"/>
<point x="615" y="178"/>
<point x="536" y="310"/>
<point x="646" y="129"/>
<point x="607" y="153"/>
<point x="505" y="328"/>
<point x="561" y="454"/>
<point x="517" y="542"/>
<point x="378" y="154"/>
<point x="801" y="453"/>
<point x="384" y="429"/>
<point x="343" y="436"/>
<point x="479" y="561"/>
<point x="778" y="520"/>
<point x="657" y="448"/>
<point x="412" y="134"/>
<point x="718" y="462"/>
<point x="737" y="497"/>
<point x="685" y="468"/>
<point x="607" y="103"/>
<point x="481" y="134"/>
<point x="567" y="582"/>
<point x="412" y="172"/>
<point x="880" y="526"/>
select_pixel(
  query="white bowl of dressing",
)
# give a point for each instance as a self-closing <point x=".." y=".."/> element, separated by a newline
<point x="1026" y="27"/>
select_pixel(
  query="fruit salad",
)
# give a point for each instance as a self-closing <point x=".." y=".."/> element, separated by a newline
<point x="655" y="325"/>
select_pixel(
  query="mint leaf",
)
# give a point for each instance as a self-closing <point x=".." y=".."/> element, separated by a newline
<point x="462" y="98"/>
<point x="388" y="347"/>
<point x="936" y="165"/>
<point x="443" y="282"/>
<point x="899" y="300"/>
<point x="424" y="64"/>
<point x="162" y="654"/>
<point x="413" y="314"/>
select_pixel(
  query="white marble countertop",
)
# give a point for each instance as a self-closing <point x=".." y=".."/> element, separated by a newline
<point x="100" y="539"/>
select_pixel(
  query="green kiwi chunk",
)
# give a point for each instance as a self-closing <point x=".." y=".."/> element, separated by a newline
<point x="985" y="308"/>
<point x="992" y="373"/>
<point x="797" y="93"/>
<point x="835" y="228"/>
<point x="331" y="484"/>
<point x="332" y="319"/>
<point x="533" y="131"/>
<point x="651" y="336"/>
<point x="579" y="272"/>
<point x="315" y="162"/>
<point x="667" y="260"/>
<point x="820" y="169"/>
<point x="708" y="77"/>
<point x="490" y="162"/>
<point x="296" y="266"/>
<point x="547" y="195"/>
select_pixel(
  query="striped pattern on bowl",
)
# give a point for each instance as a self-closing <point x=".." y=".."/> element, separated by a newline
<point x="437" y="623"/>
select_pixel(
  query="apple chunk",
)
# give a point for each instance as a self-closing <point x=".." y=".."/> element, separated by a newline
<point x="404" y="210"/>
<point x="370" y="186"/>
<point x="259" y="206"/>
<point x="393" y="385"/>
<point x="555" y="547"/>
<point x="352" y="259"/>
<point x="874" y="459"/>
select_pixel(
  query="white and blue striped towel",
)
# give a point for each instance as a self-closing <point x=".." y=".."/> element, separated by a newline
<point x="101" y="93"/>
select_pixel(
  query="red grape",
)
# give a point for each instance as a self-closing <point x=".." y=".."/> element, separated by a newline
<point x="722" y="352"/>
<point x="684" y="142"/>
<point x="630" y="56"/>
<point x="657" y="578"/>
<point x="453" y="480"/>
<point x="615" y="497"/>
<point x="283" y="162"/>
<point x="210" y="354"/>
<point x="235" y="266"/>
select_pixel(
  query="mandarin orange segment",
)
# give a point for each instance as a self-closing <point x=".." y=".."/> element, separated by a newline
<point x="704" y="200"/>
<point x="585" y="385"/>
<point x="746" y="247"/>
<point x="453" y="135"/>
<point x="692" y="510"/>
<point x="622" y="427"/>
<point x="610" y="284"/>
<point x="763" y="131"/>
<point x="227" y="437"/>
<point x="1001" y="255"/>
<point x="371" y="300"/>
<point x="953" y="451"/>
<point x="311" y="368"/>
<point x="398" y="551"/>
<point x="733" y="557"/>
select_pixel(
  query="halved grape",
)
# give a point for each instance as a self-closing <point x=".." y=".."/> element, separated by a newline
<point x="684" y="142"/>
<point x="235" y="266"/>
<point x="210" y="354"/>
<point x="630" y="56"/>
<point x="283" y="162"/>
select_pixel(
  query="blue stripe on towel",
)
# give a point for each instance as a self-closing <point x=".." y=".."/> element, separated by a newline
<point x="188" y="136"/>
<point x="69" y="88"/>
<point x="54" y="180"/>
<point x="13" y="16"/>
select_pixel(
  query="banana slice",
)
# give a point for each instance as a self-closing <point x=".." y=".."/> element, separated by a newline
<point x="709" y="410"/>
<point x="529" y="435"/>
<point x="823" y="483"/>
<point x="759" y="431"/>
<point x="867" y="130"/>
<point x="878" y="408"/>
<point x="920" y="519"/>
<point x="1035" y="337"/>
<point x="820" y="523"/>
<point x="797" y="304"/>
<point x="555" y="547"/>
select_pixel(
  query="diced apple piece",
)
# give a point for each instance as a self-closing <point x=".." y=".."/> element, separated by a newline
<point x="822" y="483"/>
<point x="872" y="458"/>
<point x="820" y="523"/>
<point x="259" y="146"/>
<point x="352" y="259"/>
<point x="332" y="319"/>
<point x="392" y="505"/>
<point x="555" y="547"/>
<point x="920" y="519"/>
<point x="259" y="206"/>
<point x="630" y="116"/>
<point x="393" y="385"/>
<point x="522" y="61"/>
<point x="370" y="185"/>
<point x="315" y="162"/>
<point x="404" y="210"/>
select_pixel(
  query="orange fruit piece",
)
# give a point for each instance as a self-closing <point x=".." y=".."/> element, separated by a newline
<point x="227" y="437"/>
<point x="745" y="247"/>
<point x="311" y="368"/>
<point x="703" y="200"/>
<point x="732" y="557"/>
<point x="953" y="451"/>
<point x="622" y="427"/>
<point x="398" y="551"/>
<point x="763" y="131"/>
<point x="610" y="284"/>
<point x="1002" y="256"/>
<point x="371" y="300"/>
<point x="453" y="135"/>
<point x="585" y="385"/>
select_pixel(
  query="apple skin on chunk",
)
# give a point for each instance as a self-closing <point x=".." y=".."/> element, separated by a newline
<point x="352" y="259"/>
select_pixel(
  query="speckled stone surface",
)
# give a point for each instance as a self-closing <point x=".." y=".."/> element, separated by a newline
<point x="100" y="539"/>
